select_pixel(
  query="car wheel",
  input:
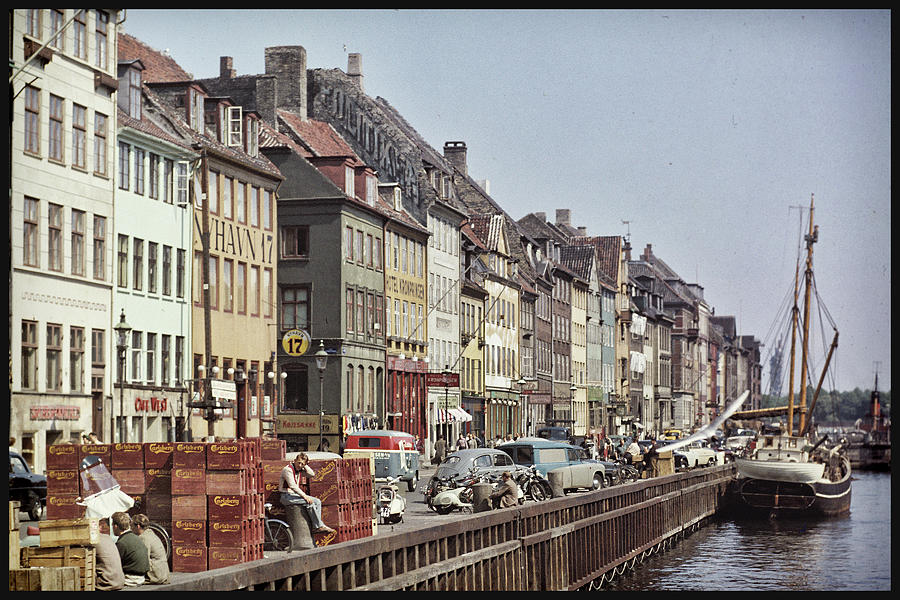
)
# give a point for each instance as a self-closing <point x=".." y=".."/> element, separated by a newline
<point x="712" y="462"/>
<point x="34" y="508"/>
<point x="597" y="481"/>
<point x="412" y="483"/>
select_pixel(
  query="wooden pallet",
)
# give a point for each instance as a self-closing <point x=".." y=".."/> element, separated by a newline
<point x="45" y="579"/>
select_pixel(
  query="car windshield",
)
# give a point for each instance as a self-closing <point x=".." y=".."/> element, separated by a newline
<point x="17" y="465"/>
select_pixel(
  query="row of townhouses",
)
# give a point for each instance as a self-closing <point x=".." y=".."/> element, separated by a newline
<point x="282" y="255"/>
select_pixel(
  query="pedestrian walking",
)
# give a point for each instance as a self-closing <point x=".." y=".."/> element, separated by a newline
<point x="440" y="451"/>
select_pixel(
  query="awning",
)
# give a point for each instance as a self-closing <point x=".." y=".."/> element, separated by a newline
<point x="460" y="415"/>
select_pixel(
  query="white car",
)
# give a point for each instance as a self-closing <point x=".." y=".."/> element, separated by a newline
<point x="699" y="454"/>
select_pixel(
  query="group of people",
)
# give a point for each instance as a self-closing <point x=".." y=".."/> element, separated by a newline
<point x="465" y="440"/>
<point x="135" y="557"/>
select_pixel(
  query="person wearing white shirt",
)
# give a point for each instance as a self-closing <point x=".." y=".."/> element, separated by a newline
<point x="291" y="494"/>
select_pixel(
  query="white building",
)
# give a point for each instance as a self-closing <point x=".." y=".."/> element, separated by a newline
<point x="62" y="132"/>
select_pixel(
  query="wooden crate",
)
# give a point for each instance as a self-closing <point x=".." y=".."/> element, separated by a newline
<point x="14" y="515"/>
<point x="83" y="557"/>
<point x="45" y="579"/>
<point x="70" y="532"/>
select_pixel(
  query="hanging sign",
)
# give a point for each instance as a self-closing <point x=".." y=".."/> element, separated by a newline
<point x="295" y="342"/>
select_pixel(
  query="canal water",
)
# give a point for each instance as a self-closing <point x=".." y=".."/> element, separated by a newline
<point x="850" y="553"/>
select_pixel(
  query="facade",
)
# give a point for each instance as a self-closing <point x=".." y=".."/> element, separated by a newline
<point x="152" y="274"/>
<point x="472" y="331"/>
<point x="62" y="182"/>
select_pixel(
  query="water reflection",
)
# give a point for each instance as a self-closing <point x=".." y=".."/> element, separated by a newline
<point x="849" y="553"/>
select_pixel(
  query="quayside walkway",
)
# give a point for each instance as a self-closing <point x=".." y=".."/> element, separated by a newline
<point x="560" y="544"/>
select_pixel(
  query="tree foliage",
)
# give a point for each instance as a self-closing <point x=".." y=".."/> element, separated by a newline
<point x="838" y="408"/>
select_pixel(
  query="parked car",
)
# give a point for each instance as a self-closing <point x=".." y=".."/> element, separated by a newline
<point x="699" y="454"/>
<point x="27" y="487"/>
<point x="672" y="434"/>
<point x="577" y="471"/>
<point x="490" y="461"/>
<point x="554" y="433"/>
<point x="678" y="456"/>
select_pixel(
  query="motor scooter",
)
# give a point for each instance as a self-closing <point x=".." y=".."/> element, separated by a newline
<point x="390" y="503"/>
<point x="456" y="497"/>
<point x="532" y="484"/>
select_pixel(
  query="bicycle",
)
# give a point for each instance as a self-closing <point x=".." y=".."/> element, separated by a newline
<point x="278" y="536"/>
<point x="163" y="536"/>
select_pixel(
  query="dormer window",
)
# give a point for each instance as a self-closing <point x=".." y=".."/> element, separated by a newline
<point x="349" y="187"/>
<point x="129" y="85"/>
<point x="371" y="190"/>
<point x="234" y="126"/>
<point x="251" y="137"/>
<point x="195" y="100"/>
<point x="398" y="199"/>
<point x="445" y="187"/>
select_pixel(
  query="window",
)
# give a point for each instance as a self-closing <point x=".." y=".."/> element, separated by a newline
<point x="54" y="357"/>
<point x="122" y="263"/>
<point x="227" y="205"/>
<point x="371" y="190"/>
<point x="139" y="171"/>
<point x="267" y="292"/>
<point x="360" y="311"/>
<point x="167" y="271"/>
<point x="348" y="182"/>
<point x="99" y="247"/>
<point x="100" y="39"/>
<point x="134" y="93"/>
<point x="124" y="164"/>
<point x="32" y="120"/>
<point x="138" y="264"/>
<point x="151" y="357"/>
<point x="254" y="290"/>
<point x="154" y="176"/>
<point x="241" y="288"/>
<point x="379" y="315"/>
<point x="152" y="257"/>
<point x="267" y="210"/>
<point x="137" y="344"/>
<point x="179" y="356"/>
<point x="295" y="241"/>
<point x="213" y="193"/>
<point x="195" y="109"/>
<point x="55" y="133"/>
<point x="57" y="20"/>
<point x="100" y="126"/>
<point x="54" y="237"/>
<point x="33" y="22"/>
<point x="295" y="308"/>
<point x="80" y="36"/>
<point x="234" y="126"/>
<point x="296" y="388"/>
<point x="251" y="145"/>
<point x="76" y="359"/>
<point x="367" y="251"/>
<point x="359" y="247"/>
<point x="254" y="206"/>
<point x="350" y="304"/>
<point x="77" y="242"/>
<point x="181" y="180"/>
<point x="214" y="282"/>
<point x="377" y="251"/>
<point x="164" y="366"/>
<point x="227" y="283"/>
<point x="98" y="359"/>
<point x="179" y="273"/>
<point x="240" y="207"/>
<point x="348" y="243"/>
<point x="29" y="355"/>
<point x="79" y="136"/>
<point x="168" y="184"/>
<point x="30" y="253"/>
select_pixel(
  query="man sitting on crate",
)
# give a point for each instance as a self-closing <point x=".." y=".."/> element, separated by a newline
<point x="291" y="494"/>
<point x="134" y="554"/>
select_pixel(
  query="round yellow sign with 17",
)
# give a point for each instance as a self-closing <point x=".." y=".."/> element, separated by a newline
<point x="295" y="342"/>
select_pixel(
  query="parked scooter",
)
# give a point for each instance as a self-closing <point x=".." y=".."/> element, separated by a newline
<point x="457" y="496"/>
<point x="390" y="502"/>
<point x="532" y="484"/>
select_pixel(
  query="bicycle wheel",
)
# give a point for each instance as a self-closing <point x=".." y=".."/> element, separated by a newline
<point x="163" y="536"/>
<point x="278" y="536"/>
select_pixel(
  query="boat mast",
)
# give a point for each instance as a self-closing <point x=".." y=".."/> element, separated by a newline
<point x="811" y="239"/>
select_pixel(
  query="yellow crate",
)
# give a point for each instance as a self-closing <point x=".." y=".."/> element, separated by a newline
<point x="45" y="579"/>
<point x="70" y="532"/>
<point x="83" y="557"/>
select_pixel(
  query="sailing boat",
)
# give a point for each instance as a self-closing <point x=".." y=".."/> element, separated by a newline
<point x="790" y="473"/>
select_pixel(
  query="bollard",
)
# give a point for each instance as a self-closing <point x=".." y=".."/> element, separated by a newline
<point x="481" y="497"/>
<point x="298" y="518"/>
<point x="555" y="479"/>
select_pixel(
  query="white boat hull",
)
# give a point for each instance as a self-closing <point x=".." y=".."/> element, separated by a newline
<point x="796" y="472"/>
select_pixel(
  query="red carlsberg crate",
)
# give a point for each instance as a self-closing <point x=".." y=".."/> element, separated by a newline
<point x="227" y="482"/>
<point x="63" y="481"/>
<point x="188" y="481"/>
<point x="228" y="534"/>
<point x="328" y="493"/>
<point x="158" y="506"/>
<point x="191" y="455"/>
<point x="227" y="456"/>
<point x="189" y="559"/>
<point x="328" y="471"/>
<point x="272" y="449"/>
<point x="63" y="506"/>
<point x="226" y="557"/>
<point x="189" y="532"/>
<point x="63" y="457"/>
<point x="101" y="451"/>
<point x="158" y="455"/>
<point x="228" y="507"/>
<point x="131" y="481"/>
<point x="188" y="507"/>
<point x="127" y="456"/>
<point x="158" y="480"/>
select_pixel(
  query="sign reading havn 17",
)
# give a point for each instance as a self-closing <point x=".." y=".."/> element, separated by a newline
<point x="442" y="379"/>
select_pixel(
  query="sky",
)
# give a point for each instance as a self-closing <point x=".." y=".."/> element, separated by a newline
<point x="700" y="132"/>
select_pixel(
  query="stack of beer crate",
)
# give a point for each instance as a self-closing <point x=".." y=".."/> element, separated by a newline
<point x="344" y="486"/>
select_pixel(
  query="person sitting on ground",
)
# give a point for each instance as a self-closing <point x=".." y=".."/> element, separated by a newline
<point x="132" y="551"/>
<point x="108" y="575"/>
<point x="159" y="563"/>
<point x="292" y="495"/>
<point x="507" y="493"/>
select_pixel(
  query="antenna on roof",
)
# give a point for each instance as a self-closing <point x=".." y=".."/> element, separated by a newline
<point x="628" y="228"/>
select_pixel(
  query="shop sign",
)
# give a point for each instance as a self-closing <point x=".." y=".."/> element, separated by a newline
<point x="442" y="379"/>
<point x="153" y="404"/>
<point x="308" y="424"/>
<point x="60" y="412"/>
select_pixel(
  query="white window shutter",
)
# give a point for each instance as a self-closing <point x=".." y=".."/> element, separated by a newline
<point x="234" y="126"/>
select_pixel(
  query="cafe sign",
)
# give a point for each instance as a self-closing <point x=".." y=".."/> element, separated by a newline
<point x="308" y="424"/>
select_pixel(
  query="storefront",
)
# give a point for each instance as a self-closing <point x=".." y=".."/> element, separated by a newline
<point x="502" y="414"/>
<point x="303" y="432"/>
<point x="405" y="410"/>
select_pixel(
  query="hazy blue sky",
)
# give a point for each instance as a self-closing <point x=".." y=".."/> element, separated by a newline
<point x="702" y="129"/>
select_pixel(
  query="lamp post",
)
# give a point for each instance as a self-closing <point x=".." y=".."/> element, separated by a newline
<point x="572" y="389"/>
<point x="122" y="330"/>
<point x="522" y="383"/>
<point x="321" y="362"/>
<point x="446" y="374"/>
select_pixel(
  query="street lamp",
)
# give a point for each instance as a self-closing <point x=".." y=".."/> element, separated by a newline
<point x="122" y="330"/>
<point x="321" y="362"/>
<point x="522" y="383"/>
<point x="572" y="389"/>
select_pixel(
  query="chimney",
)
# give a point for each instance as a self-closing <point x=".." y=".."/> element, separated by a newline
<point x="563" y="216"/>
<point x="455" y="152"/>
<point x="648" y="252"/>
<point x="288" y="65"/>
<point x="542" y="216"/>
<point x="354" y="69"/>
<point x="226" y="67"/>
<point x="582" y="231"/>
